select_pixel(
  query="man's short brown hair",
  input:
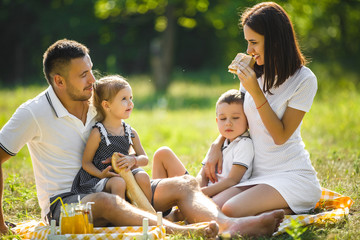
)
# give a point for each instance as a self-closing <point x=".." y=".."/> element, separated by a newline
<point x="58" y="56"/>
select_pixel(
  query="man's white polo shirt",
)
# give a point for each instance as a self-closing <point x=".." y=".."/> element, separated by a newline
<point x="56" y="140"/>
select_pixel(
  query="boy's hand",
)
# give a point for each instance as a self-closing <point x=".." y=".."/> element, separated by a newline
<point x="213" y="158"/>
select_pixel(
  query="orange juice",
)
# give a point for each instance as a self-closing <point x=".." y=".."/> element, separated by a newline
<point x="89" y="218"/>
<point x="67" y="219"/>
<point x="86" y="222"/>
<point x="91" y="228"/>
<point x="77" y="219"/>
<point x="79" y="223"/>
<point x="66" y="224"/>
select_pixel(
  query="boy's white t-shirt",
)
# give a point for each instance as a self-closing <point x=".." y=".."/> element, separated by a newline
<point x="239" y="152"/>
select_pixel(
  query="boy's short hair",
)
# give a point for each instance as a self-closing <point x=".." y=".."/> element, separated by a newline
<point x="230" y="96"/>
<point x="58" y="56"/>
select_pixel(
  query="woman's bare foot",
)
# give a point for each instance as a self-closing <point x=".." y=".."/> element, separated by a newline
<point x="262" y="225"/>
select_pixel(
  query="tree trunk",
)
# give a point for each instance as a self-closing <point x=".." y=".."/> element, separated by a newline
<point x="162" y="53"/>
<point x="18" y="67"/>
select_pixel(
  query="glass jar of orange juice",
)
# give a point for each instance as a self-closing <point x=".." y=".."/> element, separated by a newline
<point x="89" y="218"/>
<point x="76" y="219"/>
<point x="79" y="219"/>
<point x="67" y="219"/>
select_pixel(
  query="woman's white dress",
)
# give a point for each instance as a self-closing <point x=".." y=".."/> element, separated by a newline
<point x="285" y="167"/>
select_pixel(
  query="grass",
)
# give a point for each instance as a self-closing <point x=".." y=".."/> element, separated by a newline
<point x="184" y="120"/>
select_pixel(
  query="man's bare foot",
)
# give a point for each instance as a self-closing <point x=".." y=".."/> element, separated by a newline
<point x="209" y="230"/>
<point x="262" y="225"/>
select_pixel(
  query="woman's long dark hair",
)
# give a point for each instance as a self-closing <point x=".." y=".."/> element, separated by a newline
<point x="281" y="49"/>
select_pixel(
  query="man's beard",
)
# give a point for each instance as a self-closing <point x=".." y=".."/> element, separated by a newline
<point x="76" y="95"/>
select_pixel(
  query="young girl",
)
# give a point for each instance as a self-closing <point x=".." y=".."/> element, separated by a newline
<point x="278" y="93"/>
<point x="113" y="101"/>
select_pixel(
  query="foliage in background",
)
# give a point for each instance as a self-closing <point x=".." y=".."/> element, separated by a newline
<point x="120" y="33"/>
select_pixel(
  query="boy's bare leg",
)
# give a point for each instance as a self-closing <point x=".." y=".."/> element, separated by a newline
<point x="109" y="208"/>
<point x="185" y="192"/>
<point x="143" y="180"/>
<point x="166" y="164"/>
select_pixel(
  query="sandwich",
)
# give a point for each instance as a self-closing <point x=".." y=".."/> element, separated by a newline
<point x="241" y="57"/>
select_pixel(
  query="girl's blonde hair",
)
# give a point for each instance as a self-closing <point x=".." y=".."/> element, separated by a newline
<point x="106" y="89"/>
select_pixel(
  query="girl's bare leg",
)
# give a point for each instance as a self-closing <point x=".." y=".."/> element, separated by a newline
<point x="116" y="185"/>
<point x="166" y="164"/>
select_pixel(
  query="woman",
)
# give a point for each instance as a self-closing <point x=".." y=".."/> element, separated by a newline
<point x="278" y="93"/>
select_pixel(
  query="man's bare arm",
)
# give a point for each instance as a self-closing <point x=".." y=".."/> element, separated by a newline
<point x="3" y="157"/>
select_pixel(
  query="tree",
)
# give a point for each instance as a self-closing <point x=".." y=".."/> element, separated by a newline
<point x="139" y="36"/>
<point x="166" y="14"/>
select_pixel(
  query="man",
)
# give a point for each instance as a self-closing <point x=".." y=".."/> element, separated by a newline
<point x="55" y="125"/>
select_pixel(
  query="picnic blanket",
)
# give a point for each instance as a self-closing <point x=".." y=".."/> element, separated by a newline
<point x="331" y="208"/>
<point x="33" y="229"/>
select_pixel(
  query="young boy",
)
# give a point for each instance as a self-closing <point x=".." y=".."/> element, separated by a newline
<point x="238" y="152"/>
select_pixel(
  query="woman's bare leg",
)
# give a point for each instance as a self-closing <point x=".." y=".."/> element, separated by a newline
<point x="221" y="198"/>
<point x="255" y="200"/>
<point x="166" y="164"/>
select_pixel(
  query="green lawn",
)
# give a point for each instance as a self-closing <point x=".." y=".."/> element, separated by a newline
<point x="184" y="120"/>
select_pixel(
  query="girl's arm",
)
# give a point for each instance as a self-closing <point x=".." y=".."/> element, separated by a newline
<point x="279" y="129"/>
<point x="89" y="153"/>
<point x="140" y="158"/>
<point x="234" y="177"/>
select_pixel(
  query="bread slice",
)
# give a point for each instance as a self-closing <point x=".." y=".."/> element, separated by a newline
<point x="241" y="57"/>
<point x="133" y="191"/>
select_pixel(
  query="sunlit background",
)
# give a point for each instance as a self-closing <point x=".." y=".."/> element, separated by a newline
<point x="168" y="39"/>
